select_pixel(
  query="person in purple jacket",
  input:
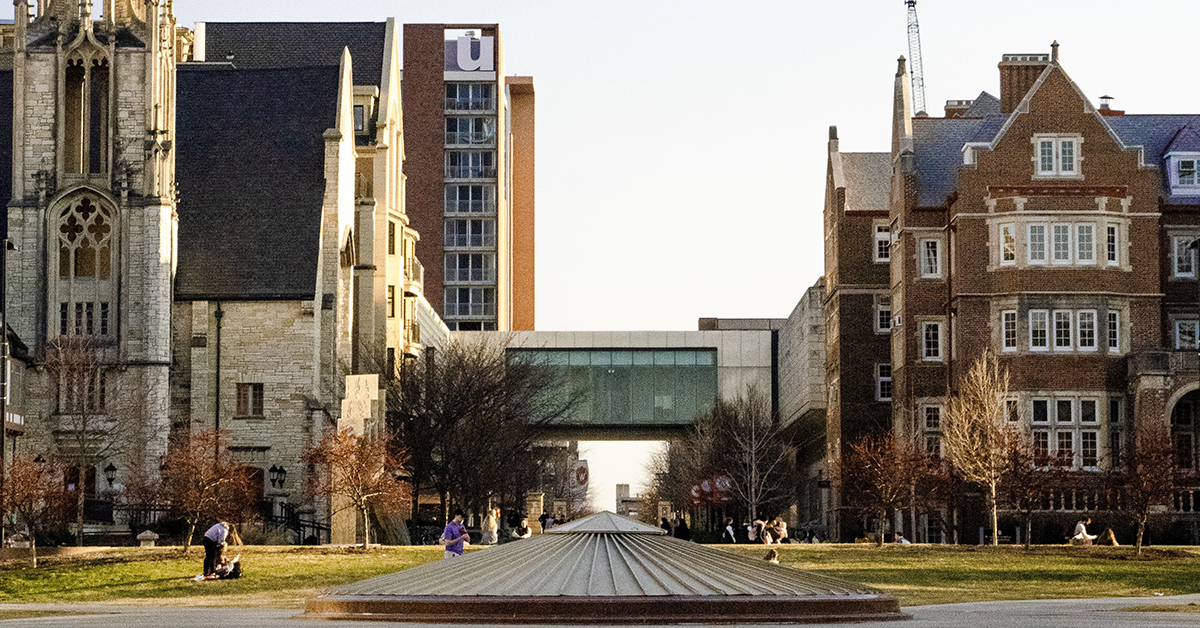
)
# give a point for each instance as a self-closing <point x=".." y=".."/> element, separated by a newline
<point x="455" y="536"/>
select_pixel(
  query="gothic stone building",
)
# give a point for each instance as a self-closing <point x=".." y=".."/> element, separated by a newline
<point x="229" y="228"/>
<point x="1055" y="233"/>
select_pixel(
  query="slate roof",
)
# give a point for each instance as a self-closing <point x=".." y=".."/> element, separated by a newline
<point x="6" y="145"/>
<point x="937" y="144"/>
<point x="628" y="572"/>
<point x="267" y="45"/>
<point x="867" y="177"/>
<point x="250" y="169"/>
<point x="985" y="105"/>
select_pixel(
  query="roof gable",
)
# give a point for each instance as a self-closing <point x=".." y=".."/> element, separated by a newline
<point x="1187" y="140"/>
<point x="251" y="175"/>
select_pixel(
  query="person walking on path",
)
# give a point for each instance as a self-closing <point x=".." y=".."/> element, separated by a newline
<point x="214" y="542"/>
<point x="455" y="536"/>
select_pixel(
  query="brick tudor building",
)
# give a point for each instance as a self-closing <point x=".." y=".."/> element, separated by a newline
<point x="230" y="229"/>
<point x="1055" y="233"/>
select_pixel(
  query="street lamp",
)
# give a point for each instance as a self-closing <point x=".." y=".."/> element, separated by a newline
<point x="278" y="475"/>
<point x="110" y="474"/>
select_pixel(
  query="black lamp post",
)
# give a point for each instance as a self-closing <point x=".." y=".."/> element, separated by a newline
<point x="277" y="475"/>
<point x="110" y="474"/>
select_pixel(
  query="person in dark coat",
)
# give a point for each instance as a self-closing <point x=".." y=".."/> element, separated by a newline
<point x="729" y="535"/>
<point x="681" y="530"/>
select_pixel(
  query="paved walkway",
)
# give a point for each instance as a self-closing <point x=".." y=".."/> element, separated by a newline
<point x="1040" y="613"/>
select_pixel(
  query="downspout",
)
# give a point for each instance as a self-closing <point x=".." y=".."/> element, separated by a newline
<point x="218" y="314"/>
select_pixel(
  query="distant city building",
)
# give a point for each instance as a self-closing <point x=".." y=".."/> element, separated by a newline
<point x="469" y="177"/>
<point x="1054" y="233"/>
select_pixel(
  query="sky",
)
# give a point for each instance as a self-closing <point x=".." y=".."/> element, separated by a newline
<point x="681" y="145"/>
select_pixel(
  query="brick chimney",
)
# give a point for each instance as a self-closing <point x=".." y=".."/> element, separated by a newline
<point x="1018" y="73"/>
<point x="956" y="108"/>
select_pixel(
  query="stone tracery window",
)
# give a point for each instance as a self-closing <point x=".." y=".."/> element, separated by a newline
<point x="84" y="241"/>
<point x="85" y="287"/>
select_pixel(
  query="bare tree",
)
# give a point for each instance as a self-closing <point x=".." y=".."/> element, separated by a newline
<point x="977" y="434"/>
<point x="740" y="440"/>
<point x="202" y="481"/>
<point x="463" y="413"/>
<point x="1146" y="476"/>
<point x="1029" y="476"/>
<point x="34" y="494"/>
<point x="94" y="419"/>
<point x="878" y="476"/>
<point x="751" y="451"/>
<point x="362" y="471"/>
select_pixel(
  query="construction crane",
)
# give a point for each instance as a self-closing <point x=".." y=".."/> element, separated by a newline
<point x="914" y="58"/>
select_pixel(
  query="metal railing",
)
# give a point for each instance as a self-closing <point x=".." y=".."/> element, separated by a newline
<point x="412" y="333"/>
<point x="470" y="104"/>
<point x="457" y="275"/>
<point x="470" y="207"/>
<point x="470" y="309"/>
<point x="471" y="138"/>
<point x="470" y="172"/>
<point x="414" y="272"/>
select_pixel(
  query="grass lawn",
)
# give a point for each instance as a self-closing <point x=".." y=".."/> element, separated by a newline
<point x="282" y="577"/>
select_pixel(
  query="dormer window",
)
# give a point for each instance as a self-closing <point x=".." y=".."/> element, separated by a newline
<point x="1185" y="180"/>
<point x="1057" y="155"/>
<point x="1187" y="172"/>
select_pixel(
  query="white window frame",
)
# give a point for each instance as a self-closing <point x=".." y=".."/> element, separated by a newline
<point x="883" y="324"/>
<point x="1066" y="243"/>
<point x="924" y="248"/>
<point x="1113" y="331"/>
<point x="1085" y="245"/>
<point x="1112" y="250"/>
<point x="1064" y="155"/>
<point x="1178" y="184"/>
<point x="1063" y="317"/>
<point x="1085" y="338"/>
<point x="1036" y="247"/>
<point x="932" y="411"/>
<point x="931" y="352"/>
<point x="1039" y="321"/>
<point x="1183" y="259"/>
<point x="1008" y="330"/>
<point x="1058" y="450"/>
<point x="1008" y="245"/>
<point x="1083" y="462"/>
<point x="1033" y="413"/>
<point x="883" y="244"/>
<point x="880" y="378"/>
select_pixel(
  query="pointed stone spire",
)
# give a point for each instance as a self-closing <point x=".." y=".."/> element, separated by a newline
<point x="1054" y="52"/>
<point x="902" y="141"/>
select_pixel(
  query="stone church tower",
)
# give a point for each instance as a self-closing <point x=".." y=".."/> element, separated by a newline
<point x="92" y="212"/>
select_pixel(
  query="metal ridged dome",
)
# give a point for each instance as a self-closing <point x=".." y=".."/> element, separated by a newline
<point x="604" y="569"/>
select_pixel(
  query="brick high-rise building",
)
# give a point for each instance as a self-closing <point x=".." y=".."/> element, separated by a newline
<point x="469" y="169"/>
<point x="1058" y="235"/>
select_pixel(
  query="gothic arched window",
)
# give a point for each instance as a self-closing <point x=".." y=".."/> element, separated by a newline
<point x="85" y="268"/>
<point x="85" y="128"/>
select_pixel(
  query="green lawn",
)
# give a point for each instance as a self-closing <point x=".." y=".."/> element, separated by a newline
<point x="282" y="577"/>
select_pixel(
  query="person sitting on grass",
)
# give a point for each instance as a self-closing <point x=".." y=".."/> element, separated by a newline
<point x="772" y="557"/>
<point x="1081" y="534"/>
<point x="227" y="569"/>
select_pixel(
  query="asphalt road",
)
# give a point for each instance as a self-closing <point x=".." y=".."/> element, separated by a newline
<point x="1089" y="613"/>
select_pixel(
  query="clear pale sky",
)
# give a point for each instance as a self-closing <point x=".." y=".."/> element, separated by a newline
<point x="681" y="145"/>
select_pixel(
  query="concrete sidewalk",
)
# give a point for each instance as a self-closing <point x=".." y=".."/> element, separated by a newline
<point x="1088" y="613"/>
